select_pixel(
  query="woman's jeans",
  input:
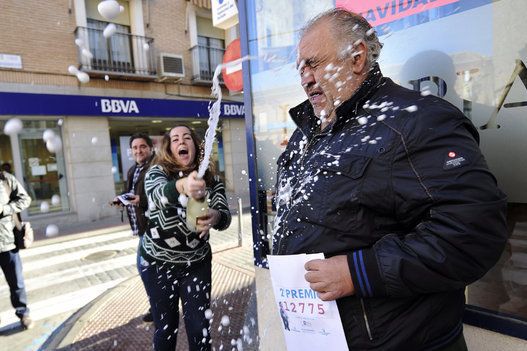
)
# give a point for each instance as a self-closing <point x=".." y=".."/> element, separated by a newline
<point x="12" y="268"/>
<point x="166" y="284"/>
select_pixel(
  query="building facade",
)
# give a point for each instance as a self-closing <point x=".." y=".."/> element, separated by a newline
<point x="469" y="52"/>
<point x="154" y="72"/>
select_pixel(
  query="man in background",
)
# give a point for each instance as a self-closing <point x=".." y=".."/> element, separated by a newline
<point x="142" y="152"/>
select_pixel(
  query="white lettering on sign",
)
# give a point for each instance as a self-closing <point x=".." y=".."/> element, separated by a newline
<point x="118" y="105"/>
<point x="233" y="110"/>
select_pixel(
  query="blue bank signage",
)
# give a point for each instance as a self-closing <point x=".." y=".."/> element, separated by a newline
<point x="81" y="105"/>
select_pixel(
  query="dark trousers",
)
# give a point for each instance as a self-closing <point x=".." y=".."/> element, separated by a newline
<point x="458" y="345"/>
<point x="166" y="285"/>
<point x="12" y="268"/>
<point x="138" y="261"/>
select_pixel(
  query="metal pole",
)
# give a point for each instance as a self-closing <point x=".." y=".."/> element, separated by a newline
<point x="240" y="222"/>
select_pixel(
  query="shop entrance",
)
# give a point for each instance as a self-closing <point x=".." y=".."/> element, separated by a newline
<point x="6" y="154"/>
<point x="41" y="172"/>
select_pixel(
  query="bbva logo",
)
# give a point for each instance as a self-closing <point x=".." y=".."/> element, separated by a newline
<point x="233" y="110"/>
<point x="118" y="105"/>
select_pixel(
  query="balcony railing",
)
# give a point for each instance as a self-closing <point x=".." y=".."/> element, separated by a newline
<point x="120" y="54"/>
<point x="204" y="62"/>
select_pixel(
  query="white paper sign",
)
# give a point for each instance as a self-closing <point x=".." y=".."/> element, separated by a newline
<point x="10" y="61"/>
<point x="308" y="322"/>
<point x="38" y="171"/>
<point x="224" y="13"/>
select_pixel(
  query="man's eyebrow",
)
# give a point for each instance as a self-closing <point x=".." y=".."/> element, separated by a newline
<point x="305" y="62"/>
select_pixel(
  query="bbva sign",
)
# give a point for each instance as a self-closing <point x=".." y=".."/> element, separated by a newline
<point x="233" y="110"/>
<point x="118" y="106"/>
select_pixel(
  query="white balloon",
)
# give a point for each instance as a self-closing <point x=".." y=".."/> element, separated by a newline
<point x="52" y="230"/>
<point x="106" y="78"/>
<point x="60" y="121"/>
<point x="83" y="77"/>
<point x="109" y="30"/>
<point x="54" y="144"/>
<point x="13" y="126"/>
<point x="225" y="321"/>
<point x="109" y="9"/>
<point x="79" y="42"/>
<point x="44" y="207"/>
<point x="94" y="140"/>
<point x="73" y="70"/>
<point x="146" y="46"/>
<point x="86" y="53"/>
<point x="114" y="169"/>
<point x="48" y="134"/>
<point x="55" y="200"/>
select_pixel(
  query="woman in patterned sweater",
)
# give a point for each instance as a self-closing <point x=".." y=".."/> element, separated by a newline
<point x="175" y="261"/>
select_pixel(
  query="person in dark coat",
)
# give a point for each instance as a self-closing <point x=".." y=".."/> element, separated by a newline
<point x="142" y="152"/>
<point x="392" y="187"/>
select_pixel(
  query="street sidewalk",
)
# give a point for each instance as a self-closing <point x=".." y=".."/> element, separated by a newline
<point x="113" y="320"/>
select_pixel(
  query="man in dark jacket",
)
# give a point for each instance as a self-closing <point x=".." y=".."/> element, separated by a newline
<point x="391" y="186"/>
<point x="142" y="151"/>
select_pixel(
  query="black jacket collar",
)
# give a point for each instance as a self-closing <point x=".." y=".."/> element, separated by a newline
<point x="305" y="118"/>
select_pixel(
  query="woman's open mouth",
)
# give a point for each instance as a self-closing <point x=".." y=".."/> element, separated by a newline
<point x="183" y="156"/>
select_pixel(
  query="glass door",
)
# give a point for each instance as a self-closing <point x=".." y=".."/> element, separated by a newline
<point x="6" y="155"/>
<point x="44" y="172"/>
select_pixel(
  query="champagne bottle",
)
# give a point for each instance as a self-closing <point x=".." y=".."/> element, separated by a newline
<point x="196" y="209"/>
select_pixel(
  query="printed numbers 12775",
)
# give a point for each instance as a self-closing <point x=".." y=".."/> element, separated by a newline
<point x="308" y="308"/>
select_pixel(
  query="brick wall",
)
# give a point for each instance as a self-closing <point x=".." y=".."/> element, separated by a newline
<point x="42" y="33"/>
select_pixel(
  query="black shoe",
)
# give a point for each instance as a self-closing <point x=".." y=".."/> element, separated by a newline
<point x="27" y="322"/>
<point x="148" y="317"/>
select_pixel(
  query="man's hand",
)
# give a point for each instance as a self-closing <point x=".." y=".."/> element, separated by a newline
<point x="331" y="277"/>
<point x="204" y="223"/>
<point x="134" y="200"/>
<point x="116" y="202"/>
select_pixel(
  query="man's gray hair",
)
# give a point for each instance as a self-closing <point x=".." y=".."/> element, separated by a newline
<point x="349" y="28"/>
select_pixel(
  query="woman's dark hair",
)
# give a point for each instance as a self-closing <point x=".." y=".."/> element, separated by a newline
<point x="165" y="159"/>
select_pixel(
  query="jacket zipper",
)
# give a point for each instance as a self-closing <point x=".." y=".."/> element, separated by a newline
<point x="365" y="316"/>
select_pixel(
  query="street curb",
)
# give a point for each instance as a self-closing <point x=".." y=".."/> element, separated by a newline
<point x="64" y="335"/>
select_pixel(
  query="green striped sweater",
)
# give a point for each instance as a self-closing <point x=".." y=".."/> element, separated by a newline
<point x="168" y="238"/>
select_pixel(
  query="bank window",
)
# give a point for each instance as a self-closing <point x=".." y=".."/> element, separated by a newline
<point x="44" y="174"/>
<point x="480" y="69"/>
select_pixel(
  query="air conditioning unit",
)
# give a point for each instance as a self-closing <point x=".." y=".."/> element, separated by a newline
<point x="171" y="66"/>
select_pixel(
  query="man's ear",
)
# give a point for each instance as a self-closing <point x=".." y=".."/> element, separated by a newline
<point x="359" y="57"/>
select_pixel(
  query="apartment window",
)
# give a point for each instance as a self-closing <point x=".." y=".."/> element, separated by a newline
<point x="113" y="53"/>
<point x="210" y="55"/>
<point x="208" y="52"/>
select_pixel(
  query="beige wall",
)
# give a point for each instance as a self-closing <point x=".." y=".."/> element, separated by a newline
<point x="89" y="166"/>
<point x="235" y="146"/>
